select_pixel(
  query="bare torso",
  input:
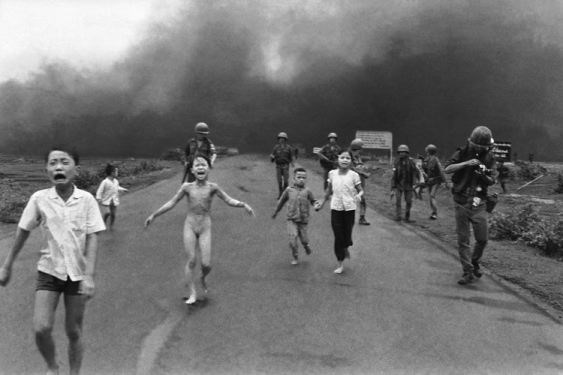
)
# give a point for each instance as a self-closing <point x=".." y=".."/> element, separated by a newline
<point x="198" y="198"/>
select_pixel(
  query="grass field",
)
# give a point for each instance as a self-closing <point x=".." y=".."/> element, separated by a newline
<point x="21" y="176"/>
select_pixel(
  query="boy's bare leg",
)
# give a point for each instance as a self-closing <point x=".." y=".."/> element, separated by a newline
<point x="189" y="245"/>
<point x="43" y="321"/>
<point x="292" y="233"/>
<point x="74" y="316"/>
<point x="205" y="247"/>
<point x="112" y="209"/>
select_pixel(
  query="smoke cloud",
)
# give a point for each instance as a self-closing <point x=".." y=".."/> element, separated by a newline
<point x="429" y="71"/>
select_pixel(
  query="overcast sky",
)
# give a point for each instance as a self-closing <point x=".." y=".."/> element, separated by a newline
<point x="84" y="33"/>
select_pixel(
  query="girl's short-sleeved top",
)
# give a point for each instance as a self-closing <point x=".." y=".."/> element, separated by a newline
<point x="343" y="189"/>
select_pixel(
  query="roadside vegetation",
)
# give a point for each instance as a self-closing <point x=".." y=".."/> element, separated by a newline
<point x="21" y="177"/>
<point x="526" y="227"/>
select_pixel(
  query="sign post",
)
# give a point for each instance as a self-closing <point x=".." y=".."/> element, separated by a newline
<point x="502" y="151"/>
<point x="377" y="140"/>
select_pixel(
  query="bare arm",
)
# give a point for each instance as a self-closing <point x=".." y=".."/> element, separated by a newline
<point x="213" y="151"/>
<point x="166" y="206"/>
<point x="100" y="190"/>
<point x="454" y="167"/>
<point x="87" y="286"/>
<point x="233" y="202"/>
<point x="6" y="269"/>
<point x="360" y="191"/>
<point x="321" y="202"/>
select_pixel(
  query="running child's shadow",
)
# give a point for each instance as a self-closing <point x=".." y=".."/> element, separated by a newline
<point x="197" y="305"/>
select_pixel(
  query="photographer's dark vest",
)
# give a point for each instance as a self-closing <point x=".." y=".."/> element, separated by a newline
<point x="464" y="180"/>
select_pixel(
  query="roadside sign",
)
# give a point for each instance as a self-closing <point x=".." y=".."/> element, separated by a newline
<point x="376" y="139"/>
<point x="502" y="151"/>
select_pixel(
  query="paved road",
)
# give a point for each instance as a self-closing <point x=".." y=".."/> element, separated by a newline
<point x="396" y="310"/>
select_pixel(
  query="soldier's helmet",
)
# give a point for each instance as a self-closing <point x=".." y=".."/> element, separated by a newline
<point x="356" y="144"/>
<point x="282" y="135"/>
<point x="332" y="135"/>
<point x="431" y="148"/>
<point x="403" y="148"/>
<point x="201" y="128"/>
<point x="481" y="136"/>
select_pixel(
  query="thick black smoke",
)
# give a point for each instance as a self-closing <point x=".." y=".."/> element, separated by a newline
<point x="427" y="71"/>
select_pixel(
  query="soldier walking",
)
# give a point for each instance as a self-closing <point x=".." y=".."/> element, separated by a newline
<point x="200" y="145"/>
<point x="405" y="176"/>
<point x="434" y="177"/>
<point x="282" y="156"/>
<point x="328" y="157"/>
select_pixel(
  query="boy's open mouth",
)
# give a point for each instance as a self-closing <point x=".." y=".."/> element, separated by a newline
<point x="59" y="177"/>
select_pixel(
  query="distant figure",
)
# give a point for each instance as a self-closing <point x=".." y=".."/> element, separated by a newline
<point x="503" y="175"/>
<point x="473" y="171"/>
<point x="358" y="166"/>
<point x="328" y="157"/>
<point x="434" y="177"/>
<point x="405" y="176"/>
<point x="282" y="156"/>
<point x="197" y="227"/>
<point x="421" y="184"/>
<point x="345" y="189"/>
<point x="200" y="145"/>
<point x="531" y="158"/>
<point x="70" y="220"/>
<point x="298" y="198"/>
<point x="108" y="194"/>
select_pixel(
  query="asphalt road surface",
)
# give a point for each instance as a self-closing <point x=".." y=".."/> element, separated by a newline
<point x="397" y="309"/>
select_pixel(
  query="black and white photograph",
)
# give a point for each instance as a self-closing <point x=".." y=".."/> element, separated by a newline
<point x="281" y="187"/>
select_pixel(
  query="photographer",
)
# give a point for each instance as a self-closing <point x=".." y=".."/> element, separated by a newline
<point x="473" y="169"/>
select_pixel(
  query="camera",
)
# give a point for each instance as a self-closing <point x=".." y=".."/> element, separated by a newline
<point x="481" y="169"/>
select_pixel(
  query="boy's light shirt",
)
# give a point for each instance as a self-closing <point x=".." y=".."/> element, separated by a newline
<point x="64" y="226"/>
<point x="343" y="190"/>
<point x="108" y="191"/>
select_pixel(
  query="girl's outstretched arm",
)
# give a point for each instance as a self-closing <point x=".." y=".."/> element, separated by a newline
<point x="233" y="202"/>
<point x="166" y="206"/>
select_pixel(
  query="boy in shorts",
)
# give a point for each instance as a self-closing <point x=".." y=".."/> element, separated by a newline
<point x="298" y="198"/>
<point x="70" y="219"/>
<point x="197" y="227"/>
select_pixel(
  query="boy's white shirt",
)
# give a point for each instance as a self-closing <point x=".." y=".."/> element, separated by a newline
<point x="64" y="226"/>
<point x="108" y="191"/>
<point x="343" y="190"/>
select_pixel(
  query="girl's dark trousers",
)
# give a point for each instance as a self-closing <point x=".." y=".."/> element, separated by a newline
<point x="342" y="223"/>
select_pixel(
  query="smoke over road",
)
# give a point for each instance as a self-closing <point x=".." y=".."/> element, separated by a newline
<point x="429" y="71"/>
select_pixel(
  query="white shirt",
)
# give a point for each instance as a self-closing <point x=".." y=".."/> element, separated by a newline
<point x="64" y="226"/>
<point x="109" y="191"/>
<point x="343" y="189"/>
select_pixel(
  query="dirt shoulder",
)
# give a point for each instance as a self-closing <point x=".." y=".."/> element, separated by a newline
<point x="540" y="277"/>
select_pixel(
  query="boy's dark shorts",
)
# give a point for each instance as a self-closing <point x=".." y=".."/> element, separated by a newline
<point x="51" y="283"/>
